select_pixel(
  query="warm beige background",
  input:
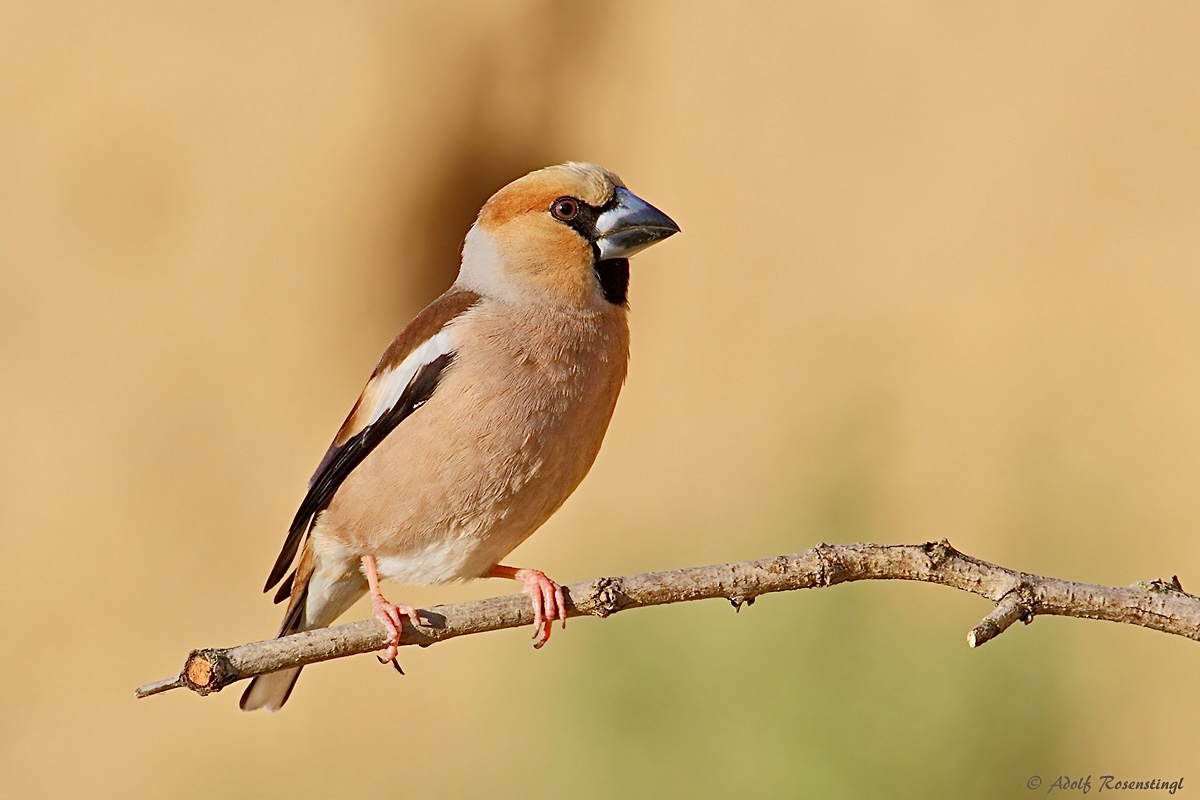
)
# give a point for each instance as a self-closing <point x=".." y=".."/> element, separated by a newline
<point x="938" y="277"/>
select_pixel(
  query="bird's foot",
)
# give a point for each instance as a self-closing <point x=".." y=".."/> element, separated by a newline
<point x="391" y="615"/>
<point x="549" y="604"/>
<point x="388" y="613"/>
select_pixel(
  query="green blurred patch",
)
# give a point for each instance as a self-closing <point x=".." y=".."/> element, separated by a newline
<point x="844" y="692"/>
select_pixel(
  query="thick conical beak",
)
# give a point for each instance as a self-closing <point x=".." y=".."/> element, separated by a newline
<point x="631" y="225"/>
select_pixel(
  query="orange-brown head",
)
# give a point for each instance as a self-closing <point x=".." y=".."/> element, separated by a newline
<point x="561" y="235"/>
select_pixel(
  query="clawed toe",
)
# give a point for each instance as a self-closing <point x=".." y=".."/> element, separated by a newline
<point x="549" y="605"/>
<point x="391" y="615"/>
<point x="549" y="602"/>
<point x="395" y="664"/>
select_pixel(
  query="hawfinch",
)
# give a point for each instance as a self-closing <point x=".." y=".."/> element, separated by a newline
<point x="481" y="418"/>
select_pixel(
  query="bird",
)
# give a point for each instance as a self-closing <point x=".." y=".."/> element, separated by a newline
<point x="481" y="418"/>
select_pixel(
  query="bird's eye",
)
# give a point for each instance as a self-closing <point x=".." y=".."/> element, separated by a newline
<point x="565" y="208"/>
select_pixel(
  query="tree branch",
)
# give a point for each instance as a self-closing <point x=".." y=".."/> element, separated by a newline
<point x="1159" y="605"/>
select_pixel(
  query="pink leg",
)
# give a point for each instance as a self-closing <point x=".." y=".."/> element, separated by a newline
<point x="387" y="613"/>
<point x="548" y="601"/>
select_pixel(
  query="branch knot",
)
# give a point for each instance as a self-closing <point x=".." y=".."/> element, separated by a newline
<point x="823" y="553"/>
<point x="1160" y="586"/>
<point x="939" y="553"/>
<point x="606" y="596"/>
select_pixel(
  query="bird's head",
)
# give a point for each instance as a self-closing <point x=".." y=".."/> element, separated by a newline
<point x="562" y="234"/>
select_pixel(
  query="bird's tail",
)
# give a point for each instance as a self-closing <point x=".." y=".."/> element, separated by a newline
<point x="272" y="690"/>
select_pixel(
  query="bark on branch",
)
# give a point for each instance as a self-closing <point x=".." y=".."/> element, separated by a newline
<point x="1160" y="605"/>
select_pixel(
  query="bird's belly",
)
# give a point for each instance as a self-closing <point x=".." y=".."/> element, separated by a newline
<point x="436" y="561"/>
<point x="442" y="534"/>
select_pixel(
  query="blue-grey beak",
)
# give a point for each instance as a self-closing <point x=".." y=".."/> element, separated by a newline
<point x="630" y="226"/>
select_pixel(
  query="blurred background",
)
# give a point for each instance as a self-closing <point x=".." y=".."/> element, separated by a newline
<point x="937" y="278"/>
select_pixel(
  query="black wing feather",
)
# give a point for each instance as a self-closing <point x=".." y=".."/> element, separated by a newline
<point x="341" y="461"/>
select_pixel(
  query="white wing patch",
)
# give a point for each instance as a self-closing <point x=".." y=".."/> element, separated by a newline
<point x="385" y="389"/>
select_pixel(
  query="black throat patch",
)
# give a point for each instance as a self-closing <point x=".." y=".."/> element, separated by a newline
<point x="614" y="280"/>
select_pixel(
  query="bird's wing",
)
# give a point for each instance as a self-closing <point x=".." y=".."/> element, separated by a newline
<point x="405" y="378"/>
